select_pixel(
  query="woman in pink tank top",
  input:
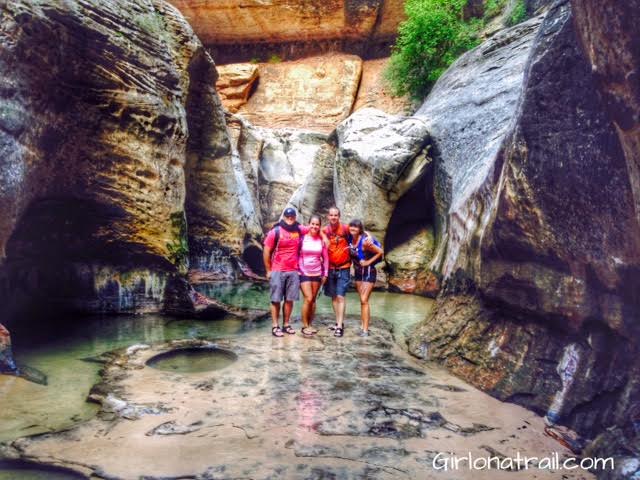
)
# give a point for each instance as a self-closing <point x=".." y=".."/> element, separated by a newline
<point x="313" y="266"/>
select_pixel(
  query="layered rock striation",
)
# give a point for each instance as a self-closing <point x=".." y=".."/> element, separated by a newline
<point x="536" y="230"/>
<point x="238" y="30"/>
<point x="97" y="119"/>
<point x="315" y="93"/>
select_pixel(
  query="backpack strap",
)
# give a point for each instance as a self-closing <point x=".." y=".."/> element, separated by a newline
<point x="361" y="254"/>
<point x="301" y="239"/>
<point x="276" y="240"/>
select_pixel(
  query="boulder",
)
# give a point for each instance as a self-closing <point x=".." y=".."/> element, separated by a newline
<point x="379" y="158"/>
<point x="276" y="163"/>
<point x="538" y="235"/>
<point x="234" y="84"/>
<point x="93" y="147"/>
<point x="7" y="363"/>
<point x="407" y="264"/>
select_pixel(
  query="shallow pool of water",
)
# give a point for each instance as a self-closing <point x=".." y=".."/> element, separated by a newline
<point x="28" y="408"/>
<point x="401" y="311"/>
<point x="10" y="470"/>
<point x="193" y="360"/>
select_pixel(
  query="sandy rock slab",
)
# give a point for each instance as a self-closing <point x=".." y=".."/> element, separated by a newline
<point x="293" y="407"/>
<point x="314" y="93"/>
<point x="374" y="92"/>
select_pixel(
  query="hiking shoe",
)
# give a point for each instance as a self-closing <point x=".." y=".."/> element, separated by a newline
<point x="363" y="333"/>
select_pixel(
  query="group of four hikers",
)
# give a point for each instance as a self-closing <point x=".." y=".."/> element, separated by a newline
<point x="298" y="257"/>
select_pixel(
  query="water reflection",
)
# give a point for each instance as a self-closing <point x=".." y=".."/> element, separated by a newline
<point x="309" y="404"/>
<point x="28" y="408"/>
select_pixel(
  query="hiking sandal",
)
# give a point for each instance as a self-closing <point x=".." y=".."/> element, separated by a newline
<point x="338" y="332"/>
<point x="308" y="331"/>
<point x="277" y="332"/>
<point x="288" y="329"/>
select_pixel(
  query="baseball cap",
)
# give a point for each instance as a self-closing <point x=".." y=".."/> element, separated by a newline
<point x="289" y="212"/>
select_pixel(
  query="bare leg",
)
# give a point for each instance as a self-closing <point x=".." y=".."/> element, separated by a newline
<point x="315" y="286"/>
<point x="339" y="308"/>
<point x="308" y="304"/>
<point x="286" y="312"/>
<point x="275" y="313"/>
<point x="364" y="289"/>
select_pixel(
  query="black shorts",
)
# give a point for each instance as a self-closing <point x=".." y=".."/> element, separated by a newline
<point x="305" y="278"/>
<point x="365" y="274"/>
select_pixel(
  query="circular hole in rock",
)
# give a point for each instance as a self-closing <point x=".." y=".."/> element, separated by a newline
<point x="193" y="360"/>
<point x="20" y="470"/>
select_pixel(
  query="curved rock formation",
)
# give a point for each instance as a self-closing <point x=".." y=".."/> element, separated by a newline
<point x="220" y="212"/>
<point x="93" y="148"/>
<point x="377" y="162"/>
<point x="539" y="238"/>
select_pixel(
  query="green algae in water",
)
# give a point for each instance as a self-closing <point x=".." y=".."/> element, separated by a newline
<point x="193" y="360"/>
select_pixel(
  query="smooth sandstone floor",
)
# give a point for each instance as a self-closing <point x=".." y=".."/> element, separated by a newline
<point x="296" y="407"/>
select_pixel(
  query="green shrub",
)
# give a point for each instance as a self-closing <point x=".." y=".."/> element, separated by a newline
<point x="431" y="38"/>
<point x="493" y="8"/>
<point x="275" y="59"/>
<point x="518" y="14"/>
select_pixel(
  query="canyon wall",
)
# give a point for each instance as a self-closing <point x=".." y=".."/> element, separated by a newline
<point x="537" y="230"/>
<point x="94" y="141"/>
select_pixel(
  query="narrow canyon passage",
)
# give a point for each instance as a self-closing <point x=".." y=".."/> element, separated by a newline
<point x="147" y="147"/>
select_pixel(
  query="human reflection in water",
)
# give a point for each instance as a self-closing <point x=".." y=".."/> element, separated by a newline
<point x="309" y="404"/>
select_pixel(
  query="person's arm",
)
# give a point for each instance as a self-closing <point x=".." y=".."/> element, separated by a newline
<point x="266" y="252"/>
<point x="372" y="247"/>
<point x="325" y="238"/>
<point x="367" y="239"/>
<point x="325" y="263"/>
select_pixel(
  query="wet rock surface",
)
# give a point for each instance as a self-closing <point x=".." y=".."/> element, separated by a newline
<point x="290" y="407"/>
<point x="610" y="43"/>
